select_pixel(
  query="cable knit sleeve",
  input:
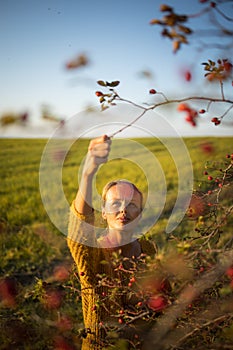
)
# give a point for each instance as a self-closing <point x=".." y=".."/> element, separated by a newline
<point x="82" y="243"/>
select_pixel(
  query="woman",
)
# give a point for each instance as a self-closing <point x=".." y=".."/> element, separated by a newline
<point x="106" y="265"/>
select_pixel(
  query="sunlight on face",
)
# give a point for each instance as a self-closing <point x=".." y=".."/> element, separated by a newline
<point x="122" y="206"/>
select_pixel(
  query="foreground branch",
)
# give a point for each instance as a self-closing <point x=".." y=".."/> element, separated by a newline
<point x="157" y="337"/>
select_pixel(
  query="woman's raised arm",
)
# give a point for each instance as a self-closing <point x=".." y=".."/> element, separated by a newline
<point x="98" y="152"/>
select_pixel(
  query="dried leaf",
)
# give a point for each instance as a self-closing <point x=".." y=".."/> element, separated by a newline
<point x="101" y="83"/>
<point x="176" y="46"/>
<point x="164" y="8"/>
<point x="114" y="83"/>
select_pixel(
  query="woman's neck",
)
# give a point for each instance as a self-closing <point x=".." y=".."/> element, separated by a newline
<point x="119" y="238"/>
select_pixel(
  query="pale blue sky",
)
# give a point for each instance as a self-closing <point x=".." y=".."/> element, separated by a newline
<point x="37" y="38"/>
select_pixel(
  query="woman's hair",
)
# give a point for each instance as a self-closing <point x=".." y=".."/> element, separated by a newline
<point x="117" y="182"/>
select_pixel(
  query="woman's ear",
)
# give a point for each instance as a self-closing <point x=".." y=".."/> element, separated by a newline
<point x="103" y="214"/>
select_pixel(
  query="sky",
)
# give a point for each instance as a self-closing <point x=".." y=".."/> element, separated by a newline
<point x="38" y="38"/>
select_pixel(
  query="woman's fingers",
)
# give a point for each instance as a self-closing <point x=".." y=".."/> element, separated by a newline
<point x="97" y="142"/>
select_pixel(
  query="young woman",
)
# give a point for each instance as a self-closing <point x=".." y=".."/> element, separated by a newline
<point x="106" y="265"/>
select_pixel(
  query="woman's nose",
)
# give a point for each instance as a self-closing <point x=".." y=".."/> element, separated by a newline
<point x="123" y="207"/>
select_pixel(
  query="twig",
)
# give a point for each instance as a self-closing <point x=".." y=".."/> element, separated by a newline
<point x="204" y="325"/>
<point x="166" y="102"/>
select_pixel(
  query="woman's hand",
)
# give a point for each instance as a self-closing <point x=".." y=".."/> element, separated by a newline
<point x="98" y="152"/>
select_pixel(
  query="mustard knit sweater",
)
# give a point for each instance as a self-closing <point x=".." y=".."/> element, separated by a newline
<point x="92" y="263"/>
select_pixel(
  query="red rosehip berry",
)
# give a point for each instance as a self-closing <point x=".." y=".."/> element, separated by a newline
<point x="132" y="280"/>
<point x="210" y="178"/>
<point x="202" y="111"/>
<point x="99" y="93"/>
<point x="139" y="304"/>
<point x="152" y="91"/>
<point x="120" y="320"/>
<point x="82" y="273"/>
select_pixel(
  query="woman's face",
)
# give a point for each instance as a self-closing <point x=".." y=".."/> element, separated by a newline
<point x="122" y="206"/>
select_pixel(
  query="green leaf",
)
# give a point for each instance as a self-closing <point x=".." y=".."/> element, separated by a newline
<point x="104" y="262"/>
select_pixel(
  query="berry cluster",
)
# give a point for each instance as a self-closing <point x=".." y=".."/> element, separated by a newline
<point x="107" y="99"/>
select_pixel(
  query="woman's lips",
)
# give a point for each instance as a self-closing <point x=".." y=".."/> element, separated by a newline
<point x="123" y="219"/>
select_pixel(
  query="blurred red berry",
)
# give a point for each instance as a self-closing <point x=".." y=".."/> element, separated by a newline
<point x="207" y="147"/>
<point x="64" y="323"/>
<point x="60" y="273"/>
<point x="229" y="272"/>
<point x="53" y="299"/>
<point x="8" y="291"/>
<point x="189" y="118"/>
<point x="183" y="107"/>
<point x="188" y="75"/>
<point x="157" y="303"/>
<point x="60" y="343"/>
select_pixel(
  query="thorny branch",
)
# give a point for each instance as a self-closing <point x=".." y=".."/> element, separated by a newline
<point x="164" y="325"/>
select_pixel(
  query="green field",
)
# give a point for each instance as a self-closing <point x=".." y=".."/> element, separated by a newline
<point x="31" y="246"/>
